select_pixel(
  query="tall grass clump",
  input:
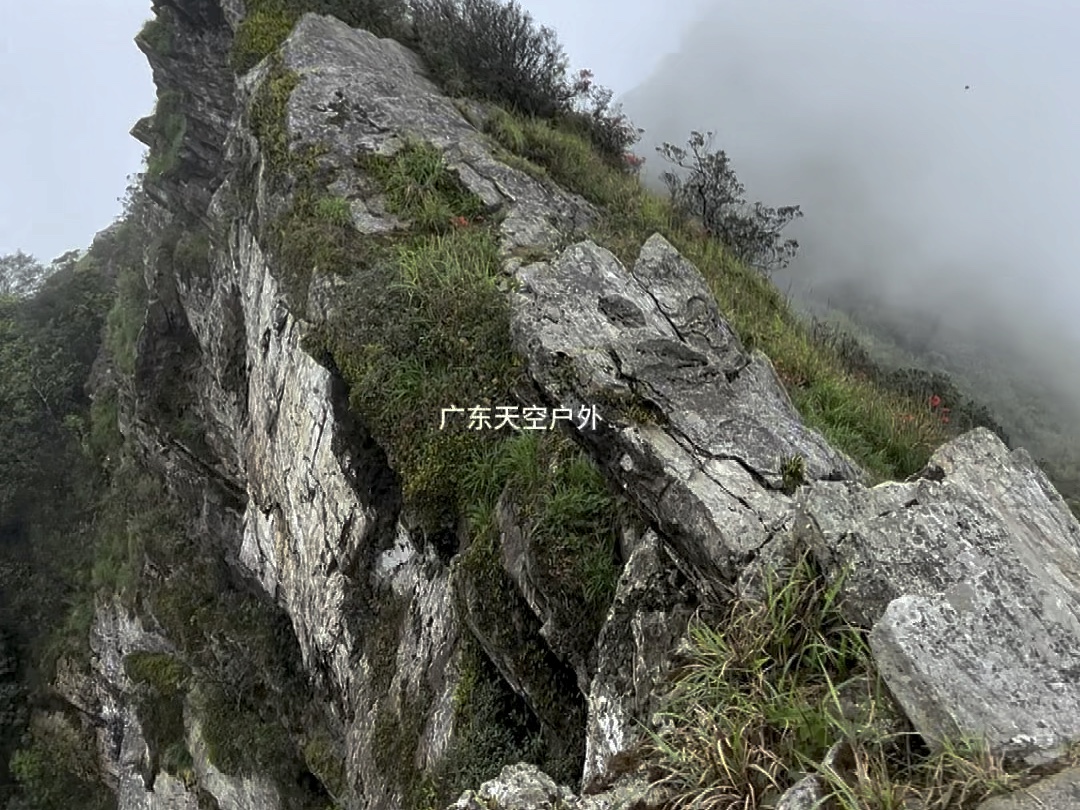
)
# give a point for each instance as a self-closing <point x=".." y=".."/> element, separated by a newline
<point x="768" y="691"/>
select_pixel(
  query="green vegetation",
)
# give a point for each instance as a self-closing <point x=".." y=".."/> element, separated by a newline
<point x="48" y="343"/>
<point x="191" y="255"/>
<point x="891" y="433"/>
<point x="767" y="688"/>
<point x="159" y="703"/>
<point x="268" y="22"/>
<point x="709" y="191"/>
<point x="326" y="761"/>
<point x="57" y="769"/>
<point x="494" y="728"/>
<point x="423" y="328"/>
<point x="168" y="126"/>
<point x="421" y="323"/>
<point x="157" y="32"/>
<point x="262" y="30"/>
<point x="268" y="110"/>
<point x="793" y="473"/>
<point x="126" y="317"/>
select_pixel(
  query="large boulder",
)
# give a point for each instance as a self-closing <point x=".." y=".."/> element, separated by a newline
<point x="970" y="578"/>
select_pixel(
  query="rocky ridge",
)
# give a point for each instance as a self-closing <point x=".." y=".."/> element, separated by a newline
<point x="967" y="577"/>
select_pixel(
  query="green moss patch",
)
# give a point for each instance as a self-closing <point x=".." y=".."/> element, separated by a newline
<point x="159" y="703"/>
<point x="265" y="26"/>
<point x="165" y="673"/>
<point x="169" y="126"/>
<point x="268" y="111"/>
<point x="157" y="32"/>
<point x="395" y="736"/>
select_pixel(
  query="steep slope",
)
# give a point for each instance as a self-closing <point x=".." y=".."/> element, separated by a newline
<point x="343" y="600"/>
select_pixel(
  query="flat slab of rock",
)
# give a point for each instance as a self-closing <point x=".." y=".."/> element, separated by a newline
<point x="970" y="579"/>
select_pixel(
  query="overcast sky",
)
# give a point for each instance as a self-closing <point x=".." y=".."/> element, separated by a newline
<point x="72" y="83"/>
<point x="963" y="199"/>
<point x="932" y="146"/>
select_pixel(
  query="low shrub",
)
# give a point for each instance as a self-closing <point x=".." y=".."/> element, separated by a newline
<point x="711" y="193"/>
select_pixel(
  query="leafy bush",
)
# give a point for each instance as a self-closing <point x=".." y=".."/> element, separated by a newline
<point x="494" y="51"/>
<point x="711" y="193"/>
<point x="606" y="127"/>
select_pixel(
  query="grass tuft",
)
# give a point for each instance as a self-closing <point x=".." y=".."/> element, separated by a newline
<point x="768" y="692"/>
<point x="265" y="26"/>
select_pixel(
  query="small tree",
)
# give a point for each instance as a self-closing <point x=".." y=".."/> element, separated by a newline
<point x="712" y="193"/>
<point x="20" y="274"/>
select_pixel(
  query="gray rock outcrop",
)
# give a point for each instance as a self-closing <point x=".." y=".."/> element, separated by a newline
<point x="967" y="577"/>
<point x="970" y="580"/>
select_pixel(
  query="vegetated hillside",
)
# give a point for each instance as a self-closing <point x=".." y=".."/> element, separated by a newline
<point x="52" y="486"/>
<point x="295" y="695"/>
<point x="1035" y="410"/>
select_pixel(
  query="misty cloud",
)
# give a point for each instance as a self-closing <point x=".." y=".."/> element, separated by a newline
<point x="72" y="83"/>
<point x="960" y="204"/>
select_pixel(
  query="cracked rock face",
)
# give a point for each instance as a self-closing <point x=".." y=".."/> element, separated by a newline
<point x="114" y="635"/>
<point x="970" y="578"/>
<point x="524" y="787"/>
<point x="592" y="330"/>
<point x="652" y="606"/>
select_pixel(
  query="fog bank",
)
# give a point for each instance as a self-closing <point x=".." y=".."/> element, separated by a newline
<point x="932" y="148"/>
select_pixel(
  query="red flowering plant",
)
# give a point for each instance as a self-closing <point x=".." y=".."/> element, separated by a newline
<point x="633" y="162"/>
<point x="938" y="409"/>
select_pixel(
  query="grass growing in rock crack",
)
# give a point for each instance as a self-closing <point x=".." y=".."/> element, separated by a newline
<point x="767" y="688"/>
<point x="169" y="126"/>
<point x="425" y="326"/>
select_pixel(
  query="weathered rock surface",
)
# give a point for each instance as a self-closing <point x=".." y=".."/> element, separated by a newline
<point x="806" y="794"/>
<point x="652" y="605"/>
<point x="230" y="792"/>
<point x="524" y="787"/>
<point x="593" y="332"/>
<point x="115" y="634"/>
<point x="1060" y="792"/>
<point x="194" y="77"/>
<point x="970" y="578"/>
